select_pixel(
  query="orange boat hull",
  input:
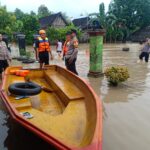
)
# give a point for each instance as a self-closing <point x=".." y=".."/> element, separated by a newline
<point x="69" y="118"/>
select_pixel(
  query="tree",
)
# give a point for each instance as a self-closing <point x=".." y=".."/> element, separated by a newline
<point x="18" y="26"/>
<point x="60" y="33"/>
<point x="125" y="17"/>
<point x="32" y="13"/>
<point x="30" y="27"/>
<point x="102" y="14"/>
<point x="43" y="11"/>
<point x="135" y="12"/>
<point x="7" y="21"/>
<point x="18" y="13"/>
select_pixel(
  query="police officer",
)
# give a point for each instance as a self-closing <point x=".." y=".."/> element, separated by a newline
<point x="71" y="54"/>
<point x="4" y="56"/>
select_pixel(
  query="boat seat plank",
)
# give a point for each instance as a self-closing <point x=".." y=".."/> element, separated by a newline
<point x="66" y="86"/>
<point x="22" y="105"/>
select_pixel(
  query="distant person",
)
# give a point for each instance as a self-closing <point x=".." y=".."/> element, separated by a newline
<point x="35" y="49"/>
<point x="66" y="44"/>
<point x="59" y="47"/>
<point x="145" y="51"/>
<point x="4" y="56"/>
<point x="71" y="55"/>
<point x="43" y="49"/>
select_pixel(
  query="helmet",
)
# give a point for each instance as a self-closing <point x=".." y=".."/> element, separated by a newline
<point x="42" y="32"/>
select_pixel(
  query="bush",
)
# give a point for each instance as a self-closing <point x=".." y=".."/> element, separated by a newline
<point x="60" y="33"/>
<point x="117" y="74"/>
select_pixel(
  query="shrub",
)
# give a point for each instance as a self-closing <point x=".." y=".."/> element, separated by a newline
<point x="60" y="33"/>
<point x="116" y="74"/>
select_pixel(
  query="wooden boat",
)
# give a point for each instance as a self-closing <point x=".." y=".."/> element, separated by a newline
<point x="69" y="117"/>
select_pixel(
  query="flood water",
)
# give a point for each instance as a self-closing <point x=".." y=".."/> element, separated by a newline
<point x="126" y="108"/>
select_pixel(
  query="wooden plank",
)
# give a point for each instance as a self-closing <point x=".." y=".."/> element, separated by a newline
<point x="20" y="106"/>
<point x="68" y="88"/>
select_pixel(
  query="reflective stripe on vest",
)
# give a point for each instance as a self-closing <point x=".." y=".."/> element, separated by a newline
<point x="43" y="45"/>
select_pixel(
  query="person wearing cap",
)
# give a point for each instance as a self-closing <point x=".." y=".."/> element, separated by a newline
<point x="43" y="49"/>
<point x="71" y="54"/>
<point x="4" y="56"/>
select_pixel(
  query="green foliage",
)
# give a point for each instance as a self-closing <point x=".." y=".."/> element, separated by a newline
<point x="124" y="17"/>
<point x="18" y="13"/>
<point x="117" y="74"/>
<point x="102" y="15"/>
<point x="18" y="22"/>
<point x="30" y="27"/>
<point x="18" y="26"/>
<point x="7" y="21"/>
<point x="43" y="11"/>
<point x="60" y="33"/>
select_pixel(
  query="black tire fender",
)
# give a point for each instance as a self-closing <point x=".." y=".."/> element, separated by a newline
<point x="28" y="61"/>
<point x="25" y="89"/>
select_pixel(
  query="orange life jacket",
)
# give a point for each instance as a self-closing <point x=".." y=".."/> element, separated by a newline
<point x="43" y="45"/>
<point x="65" y="47"/>
<point x="21" y="73"/>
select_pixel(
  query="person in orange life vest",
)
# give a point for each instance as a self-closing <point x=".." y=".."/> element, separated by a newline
<point x="43" y="49"/>
<point x="66" y="44"/>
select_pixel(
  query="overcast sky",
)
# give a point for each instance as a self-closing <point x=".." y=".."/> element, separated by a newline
<point x="73" y="8"/>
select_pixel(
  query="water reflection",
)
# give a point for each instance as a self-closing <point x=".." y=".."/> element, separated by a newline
<point x="20" y="138"/>
<point x="3" y="127"/>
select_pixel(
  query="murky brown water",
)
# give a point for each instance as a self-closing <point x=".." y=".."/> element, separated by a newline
<point x="126" y="119"/>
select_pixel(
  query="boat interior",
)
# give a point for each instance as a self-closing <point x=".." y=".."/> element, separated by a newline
<point x="67" y="112"/>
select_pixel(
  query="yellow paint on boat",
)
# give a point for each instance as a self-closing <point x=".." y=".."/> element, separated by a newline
<point x="67" y="114"/>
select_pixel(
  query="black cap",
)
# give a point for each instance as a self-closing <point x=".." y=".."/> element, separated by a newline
<point x="73" y="31"/>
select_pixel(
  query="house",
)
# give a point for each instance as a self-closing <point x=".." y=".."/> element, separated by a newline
<point x="82" y="23"/>
<point x="140" y="35"/>
<point x="55" y="20"/>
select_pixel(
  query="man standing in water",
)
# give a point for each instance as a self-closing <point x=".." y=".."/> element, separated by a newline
<point x="145" y="51"/>
<point x="71" y="55"/>
<point x="43" y="49"/>
<point x="4" y="56"/>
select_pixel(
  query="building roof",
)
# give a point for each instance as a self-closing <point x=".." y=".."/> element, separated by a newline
<point x="141" y="34"/>
<point x="48" y="20"/>
<point x="81" y="22"/>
